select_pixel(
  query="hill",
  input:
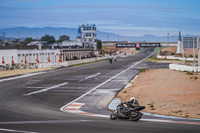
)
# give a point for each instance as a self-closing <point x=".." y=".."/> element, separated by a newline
<point x="12" y="33"/>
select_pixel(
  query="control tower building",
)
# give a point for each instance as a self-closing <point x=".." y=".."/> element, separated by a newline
<point x="87" y="34"/>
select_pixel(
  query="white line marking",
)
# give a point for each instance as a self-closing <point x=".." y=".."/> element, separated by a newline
<point x="62" y="108"/>
<point x="22" y="76"/>
<point x="16" y="131"/>
<point x="36" y="87"/>
<point x="89" y="77"/>
<point x="155" y="120"/>
<point x="43" y="90"/>
<point x="92" y="76"/>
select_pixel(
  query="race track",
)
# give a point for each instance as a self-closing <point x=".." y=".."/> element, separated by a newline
<point x="43" y="102"/>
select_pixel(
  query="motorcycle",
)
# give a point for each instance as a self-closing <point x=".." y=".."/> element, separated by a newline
<point x="122" y="112"/>
<point x="110" y="60"/>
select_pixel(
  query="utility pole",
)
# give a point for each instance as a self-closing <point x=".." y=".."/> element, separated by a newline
<point x="167" y="39"/>
<point x="18" y="36"/>
<point x="188" y="40"/>
<point x="118" y="37"/>
<point x="193" y="52"/>
<point x="4" y="33"/>
<point x="198" y="52"/>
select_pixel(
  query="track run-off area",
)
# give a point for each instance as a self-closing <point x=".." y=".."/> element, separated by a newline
<point x="75" y="100"/>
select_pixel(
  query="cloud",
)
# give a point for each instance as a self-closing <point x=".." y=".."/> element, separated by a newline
<point x="136" y="28"/>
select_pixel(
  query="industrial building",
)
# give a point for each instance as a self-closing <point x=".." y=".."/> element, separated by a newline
<point x="191" y="42"/>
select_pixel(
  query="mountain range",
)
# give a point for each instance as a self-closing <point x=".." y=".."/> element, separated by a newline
<point x="23" y="32"/>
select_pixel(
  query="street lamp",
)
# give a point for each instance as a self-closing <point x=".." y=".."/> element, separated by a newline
<point x="167" y="39"/>
<point x="18" y="37"/>
<point x="4" y="33"/>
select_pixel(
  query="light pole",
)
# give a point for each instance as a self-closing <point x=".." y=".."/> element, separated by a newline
<point x="18" y="37"/>
<point x="4" y="33"/>
<point x="193" y="52"/>
<point x="118" y="37"/>
<point x="167" y="39"/>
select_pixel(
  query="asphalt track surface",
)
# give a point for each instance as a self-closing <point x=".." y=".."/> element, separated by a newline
<point x="36" y="103"/>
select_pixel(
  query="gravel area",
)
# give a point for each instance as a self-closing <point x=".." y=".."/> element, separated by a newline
<point x="166" y="92"/>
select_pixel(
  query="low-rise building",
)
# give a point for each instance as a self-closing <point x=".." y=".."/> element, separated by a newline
<point x="11" y="56"/>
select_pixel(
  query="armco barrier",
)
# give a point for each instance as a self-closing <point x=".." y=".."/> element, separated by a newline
<point x="184" y="68"/>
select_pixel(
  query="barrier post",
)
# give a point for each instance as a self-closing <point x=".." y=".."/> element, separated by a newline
<point x="3" y="62"/>
<point x="12" y="60"/>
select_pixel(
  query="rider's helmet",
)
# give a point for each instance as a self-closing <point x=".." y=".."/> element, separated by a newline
<point x="132" y="99"/>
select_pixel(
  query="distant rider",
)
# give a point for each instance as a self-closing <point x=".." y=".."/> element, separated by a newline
<point x="115" y="58"/>
<point x="110" y="58"/>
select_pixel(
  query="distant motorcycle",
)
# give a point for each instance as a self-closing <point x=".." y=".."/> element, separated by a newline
<point x="110" y="60"/>
<point x="122" y="112"/>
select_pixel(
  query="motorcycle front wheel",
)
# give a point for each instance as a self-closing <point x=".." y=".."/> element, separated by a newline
<point x="114" y="115"/>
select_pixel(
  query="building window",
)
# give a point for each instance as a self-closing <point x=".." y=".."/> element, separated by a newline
<point x="19" y="54"/>
<point x="22" y="54"/>
<point x="88" y="34"/>
<point x="88" y="28"/>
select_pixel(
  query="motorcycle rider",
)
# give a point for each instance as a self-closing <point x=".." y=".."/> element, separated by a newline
<point x="132" y="103"/>
<point x="110" y="58"/>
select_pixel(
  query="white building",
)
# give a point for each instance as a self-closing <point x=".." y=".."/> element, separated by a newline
<point x="87" y="35"/>
<point x="72" y="44"/>
<point x="10" y="56"/>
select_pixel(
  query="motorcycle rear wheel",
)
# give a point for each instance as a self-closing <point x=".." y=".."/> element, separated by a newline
<point x="137" y="117"/>
<point x="114" y="115"/>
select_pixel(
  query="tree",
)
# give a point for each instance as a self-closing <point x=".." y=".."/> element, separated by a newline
<point x="63" y="38"/>
<point x="99" y="44"/>
<point x="27" y="41"/>
<point x="49" y="39"/>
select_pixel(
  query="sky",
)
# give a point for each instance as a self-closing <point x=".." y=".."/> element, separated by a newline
<point x="123" y="17"/>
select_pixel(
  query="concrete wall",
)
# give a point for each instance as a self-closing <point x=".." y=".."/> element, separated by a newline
<point x="85" y="60"/>
<point x="7" y="55"/>
<point x="52" y="65"/>
<point x="174" y="58"/>
<point x="19" y="56"/>
<point x="184" y="68"/>
<point x="69" y="43"/>
<point x="199" y="57"/>
<point x="171" y="44"/>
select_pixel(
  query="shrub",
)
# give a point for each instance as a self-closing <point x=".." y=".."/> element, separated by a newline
<point x="190" y="56"/>
<point x="151" y="104"/>
<point x="190" y="73"/>
<point x="196" y="77"/>
<point x="143" y="70"/>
